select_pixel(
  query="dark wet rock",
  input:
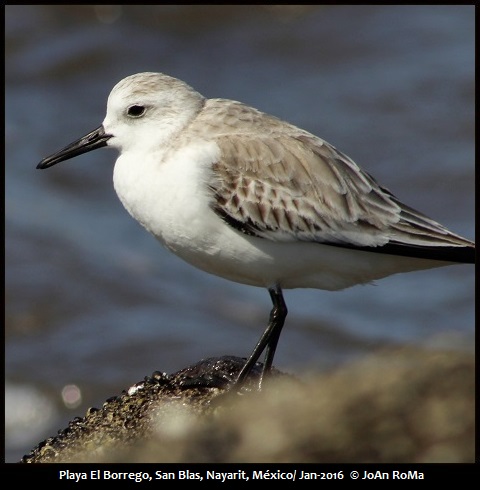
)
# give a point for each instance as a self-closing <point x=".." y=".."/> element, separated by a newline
<point x="403" y="405"/>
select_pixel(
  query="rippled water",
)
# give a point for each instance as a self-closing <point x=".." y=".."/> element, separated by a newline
<point x="93" y="302"/>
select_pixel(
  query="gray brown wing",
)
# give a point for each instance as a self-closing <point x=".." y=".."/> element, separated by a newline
<point x="298" y="187"/>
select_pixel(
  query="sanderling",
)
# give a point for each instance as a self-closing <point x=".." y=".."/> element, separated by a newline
<point x="248" y="197"/>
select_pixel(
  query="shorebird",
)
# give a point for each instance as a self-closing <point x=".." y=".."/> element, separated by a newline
<point x="251" y="198"/>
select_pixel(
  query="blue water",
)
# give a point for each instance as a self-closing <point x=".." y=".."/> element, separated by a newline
<point x="92" y="300"/>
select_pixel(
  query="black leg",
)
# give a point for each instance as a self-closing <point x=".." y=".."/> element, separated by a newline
<point x="269" y="339"/>
<point x="277" y="316"/>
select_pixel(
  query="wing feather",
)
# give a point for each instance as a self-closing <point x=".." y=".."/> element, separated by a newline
<point x="276" y="181"/>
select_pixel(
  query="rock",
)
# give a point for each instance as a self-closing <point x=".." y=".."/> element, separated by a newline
<point x="401" y="405"/>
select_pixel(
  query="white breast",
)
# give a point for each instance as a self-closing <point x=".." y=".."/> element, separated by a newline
<point x="169" y="195"/>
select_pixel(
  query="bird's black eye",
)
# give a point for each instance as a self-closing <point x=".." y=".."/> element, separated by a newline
<point x="136" y="110"/>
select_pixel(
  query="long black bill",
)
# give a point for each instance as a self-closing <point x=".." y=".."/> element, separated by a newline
<point x="91" y="141"/>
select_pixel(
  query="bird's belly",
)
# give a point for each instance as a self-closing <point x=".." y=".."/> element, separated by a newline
<point x="222" y="251"/>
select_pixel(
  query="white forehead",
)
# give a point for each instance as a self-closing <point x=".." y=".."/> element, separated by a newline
<point x="150" y="87"/>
